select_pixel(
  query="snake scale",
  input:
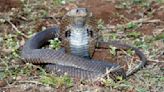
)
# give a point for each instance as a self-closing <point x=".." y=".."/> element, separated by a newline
<point x="62" y="63"/>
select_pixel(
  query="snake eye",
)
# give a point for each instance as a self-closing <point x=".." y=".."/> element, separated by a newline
<point x="86" y="10"/>
<point x="77" y="11"/>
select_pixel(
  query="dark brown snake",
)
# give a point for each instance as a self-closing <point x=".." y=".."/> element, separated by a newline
<point x="61" y="63"/>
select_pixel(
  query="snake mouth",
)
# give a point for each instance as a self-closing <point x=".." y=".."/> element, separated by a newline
<point x="78" y="12"/>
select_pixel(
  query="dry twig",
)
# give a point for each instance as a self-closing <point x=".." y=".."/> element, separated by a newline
<point x="16" y="29"/>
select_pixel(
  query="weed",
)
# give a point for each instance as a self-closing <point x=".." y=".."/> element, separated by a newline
<point x="101" y="25"/>
<point x="159" y="37"/>
<point x="55" y="43"/>
<point x="2" y="75"/>
<point x="130" y="52"/>
<point x="123" y="4"/>
<point x="13" y="45"/>
<point x="160" y="1"/>
<point x="16" y="71"/>
<point x="161" y="78"/>
<point x="122" y="84"/>
<point x="149" y="39"/>
<point x="141" y="89"/>
<point x="56" y="81"/>
<point x="146" y="5"/>
<point x="113" y="50"/>
<point x="108" y="82"/>
<point x="59" y="2"/>
<point x="141" y="44"/>
<point x="131" y="25"/>
<point x="30" y="33"/>
<point x="32" y="11"/>
<point x="119" y="78"/>
<point x="137" y="1"/>
<point x="113" y="36"/>
<point x="134" y="34"/>
<point x="162" y="69"/>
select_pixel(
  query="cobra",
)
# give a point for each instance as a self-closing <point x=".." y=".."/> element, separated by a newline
<point x="74" y="64"/>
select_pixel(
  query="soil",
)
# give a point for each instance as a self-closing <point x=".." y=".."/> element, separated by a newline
<point x="6" y="5"/>
<point x="102" y="10"/>
<point x="112" y="15"/>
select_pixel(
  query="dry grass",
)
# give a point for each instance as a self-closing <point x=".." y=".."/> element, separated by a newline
<point x="19" y="22"/>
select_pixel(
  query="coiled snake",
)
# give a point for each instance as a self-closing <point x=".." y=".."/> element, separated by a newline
<point x="78" y="67"/>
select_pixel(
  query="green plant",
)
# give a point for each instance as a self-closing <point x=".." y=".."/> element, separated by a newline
<point x="137" y="1"/>
<point x="130" y="52"/>
<point x="134" y="34"/>
<point x="124" y="5"/>
<point x="56" y="81"/>
<point x="160" y="1"/>
<point x="113" y="50"/>
<point x="55" y="43"/>
<point x="131" y="25"/>
<point x="113" y="36"/>
<point x="161" y="78"/>
<point x="59" y="2"/>
<point x="141" y="89"/>
<point x="141" y="44"/>
<point x="146" y="5"/>
<point x="101" y="25"/>
<point x="123" y="85"/>
<point x="108" y="82"/>
<point x="13" y="45"/>
<point x="159" y="37"/>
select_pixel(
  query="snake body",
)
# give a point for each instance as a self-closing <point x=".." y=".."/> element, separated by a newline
<point x="62" y="63"/>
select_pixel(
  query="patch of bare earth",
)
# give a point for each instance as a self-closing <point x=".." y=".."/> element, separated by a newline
<point x="147" y="79"/>
<point x="7" y="5"/>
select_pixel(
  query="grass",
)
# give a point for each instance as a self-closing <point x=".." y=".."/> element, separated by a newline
<point x="56" y="81"/>
<point x="131" y="25"/>
<point x="12" y="39"/>
<point x="55" y="44"/>
<point x="127" y="4"/>
<point x="12" y="45"/>
<point x="100" y="25"/>
<point x="59" y="2"/>
<point x="113" y="50"/>
<point x="159" y="37"/>
<point x="134" y="34"/>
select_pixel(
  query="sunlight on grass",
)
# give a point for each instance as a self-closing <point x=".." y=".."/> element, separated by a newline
<point x="56" y="81"/>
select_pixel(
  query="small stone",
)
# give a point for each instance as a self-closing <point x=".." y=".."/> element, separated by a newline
<point x="63" y="2"/>
<point x="2" y="20"/>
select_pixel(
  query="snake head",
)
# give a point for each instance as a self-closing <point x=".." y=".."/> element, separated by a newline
<point x="78" y="16"/>
<point x="78" y="12"/>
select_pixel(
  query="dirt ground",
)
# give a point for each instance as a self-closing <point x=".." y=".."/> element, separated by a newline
<point x="133" y="22"/>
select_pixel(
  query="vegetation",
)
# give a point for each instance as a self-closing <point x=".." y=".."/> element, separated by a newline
<point x="56" y="81"/>
<point x="135" y="22"/>
<point x="55" y="44"/>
